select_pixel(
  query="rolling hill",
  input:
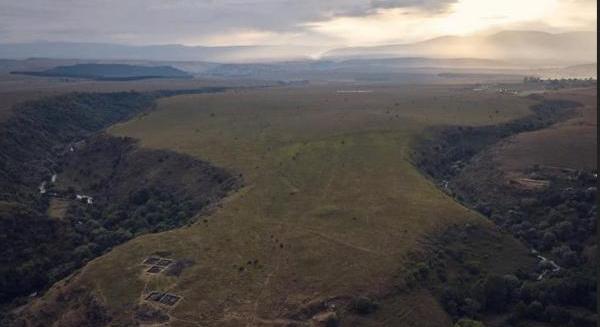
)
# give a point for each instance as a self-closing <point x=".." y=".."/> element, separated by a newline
<point x="110" y="72"/>
<point x="171" y="52"/>
<point x="531" y="48"/>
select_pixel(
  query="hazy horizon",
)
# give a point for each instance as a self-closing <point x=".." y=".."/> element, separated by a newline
<point x="516" y="47"/>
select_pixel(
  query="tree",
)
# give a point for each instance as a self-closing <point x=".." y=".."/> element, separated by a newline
<point x="520" y="310"/>
<point x="548" y="240"/>
<point x="363" y="305"/>
<point x="535" y="310"/>
<point x="494" y="293"/>
<point x="566" y="256"/>
<point x="564" y="230"/>
<point x="557" y="315"/>
<point x="471" y="307"/>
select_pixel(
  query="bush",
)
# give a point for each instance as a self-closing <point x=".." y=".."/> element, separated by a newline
<point x="520" y="310"/>
<point x="535" y="310"/>
<point x="471" y="307"/>
<point x="494" y="293"/>
<point x="473" y="267"/>
<point x="566" y="257"/>
<point x="548" y="240"/>
<point x="557" y="315"/>
<point x="363" y="305"/>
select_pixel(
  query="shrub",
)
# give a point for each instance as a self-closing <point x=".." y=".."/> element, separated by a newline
<point x="363" y="305"/>
<point x="471" y="307"/>
<point x="535" y="310"/>
<point x="494" y="293"/>
<point x="557" y="315"/>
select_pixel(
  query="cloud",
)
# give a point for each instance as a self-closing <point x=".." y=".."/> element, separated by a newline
<point x="221" y="22"/>
<point x="424" y="5"/>
<point x="160" y="21"/>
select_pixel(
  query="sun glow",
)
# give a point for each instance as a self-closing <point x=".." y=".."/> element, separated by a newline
<point x="464" y="17"/>
<point x="471" y="16"/>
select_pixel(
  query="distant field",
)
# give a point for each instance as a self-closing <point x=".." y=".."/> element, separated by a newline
<point x="109" y="72"/>
<point x="571" y="144"/>
<point x="18" y="88"/>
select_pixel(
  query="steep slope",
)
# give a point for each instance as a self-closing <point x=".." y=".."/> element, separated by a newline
<point x="546" y="198"/>
<point x="331" y="226"/>
<point x="69" y="195"/>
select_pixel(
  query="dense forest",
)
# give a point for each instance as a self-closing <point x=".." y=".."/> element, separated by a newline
<point x="110" y="189"/>
<point x="113" y="72"/>
<point x="557" y="222"/>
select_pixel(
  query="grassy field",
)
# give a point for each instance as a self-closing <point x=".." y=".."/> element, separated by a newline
<point x="571" y="144"/>
<point x="19" y="88"/>
<point x="331" y="207"/>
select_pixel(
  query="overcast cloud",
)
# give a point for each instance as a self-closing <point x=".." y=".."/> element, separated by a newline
<point x="235" y="22"/>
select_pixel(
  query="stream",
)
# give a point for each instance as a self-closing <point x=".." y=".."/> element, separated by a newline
<point x="543" y="261"/>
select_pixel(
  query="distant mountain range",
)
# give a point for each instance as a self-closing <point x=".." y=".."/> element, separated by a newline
<point x="110" y="72"/>
<point x="170" y="52"/>
<point x="516" y="53"/>
<point x="351" y="69"/>
<point x="524" y="48"/>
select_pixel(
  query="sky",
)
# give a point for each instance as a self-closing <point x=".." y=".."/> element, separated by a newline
<point x="282" y="22"/>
